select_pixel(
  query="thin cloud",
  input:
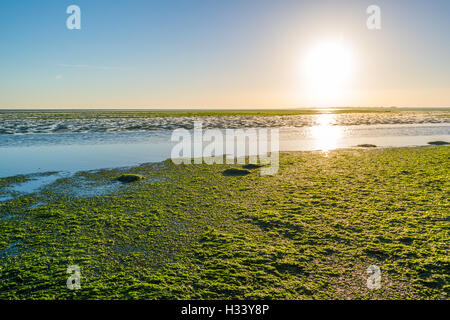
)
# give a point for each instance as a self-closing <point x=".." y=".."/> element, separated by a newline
<point x="86" y="66"/>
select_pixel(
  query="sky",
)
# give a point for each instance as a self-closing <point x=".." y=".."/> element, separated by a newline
<point x="223" y="54"/>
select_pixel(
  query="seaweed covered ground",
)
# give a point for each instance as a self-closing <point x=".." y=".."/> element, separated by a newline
<point x="192" y="232"/>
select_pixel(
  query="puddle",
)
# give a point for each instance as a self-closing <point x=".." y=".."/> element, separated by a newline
<point x="12" y="250"/>
<point x="76" y="186"/>
<point x="35" y="182"/>
<point x="7" y="216"/>
<point x="84" y="188"/>
<point x="37" y="205"/>
<point x="6" y="197"/>
<point x="155" y="180"/>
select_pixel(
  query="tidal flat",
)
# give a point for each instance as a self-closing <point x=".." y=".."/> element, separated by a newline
<point x="191" y="232"/>
<point x="66" y="122"/>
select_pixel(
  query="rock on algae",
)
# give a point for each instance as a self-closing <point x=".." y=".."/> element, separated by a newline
<point x="366" y="145"/>
<point x="252" y="166"/>
<point x="439" y="143"/>
<point x="127" y="178"/>
<point x="235" y="172"/>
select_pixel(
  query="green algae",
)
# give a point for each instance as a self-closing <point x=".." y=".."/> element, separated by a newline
<point x="309" y="232"/>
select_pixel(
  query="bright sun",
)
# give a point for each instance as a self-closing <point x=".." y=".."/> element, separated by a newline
<point x="328" y="68"/>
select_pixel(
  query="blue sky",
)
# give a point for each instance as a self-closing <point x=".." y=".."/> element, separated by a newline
<point x="217" y="54"/>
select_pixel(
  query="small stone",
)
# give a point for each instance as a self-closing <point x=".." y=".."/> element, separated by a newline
<point x="366" y="145"/>
<point x="438" y="143"/>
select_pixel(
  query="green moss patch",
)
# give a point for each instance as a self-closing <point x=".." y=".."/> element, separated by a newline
<point x="308" y="232"/>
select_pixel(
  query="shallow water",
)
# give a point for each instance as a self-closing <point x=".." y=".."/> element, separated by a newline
<point x="4" y="217"/>
<point x="81" y="187"/>
<point x="13" y="249"/>
<point x="71" y="151"/>
<point x="37" y="205"/>
<point x="35" y="182"/>
<point x="29" y="123"/>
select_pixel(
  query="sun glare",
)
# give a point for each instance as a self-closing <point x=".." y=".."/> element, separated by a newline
<point x="325" y="134"/>
<point x="328" y="68"/>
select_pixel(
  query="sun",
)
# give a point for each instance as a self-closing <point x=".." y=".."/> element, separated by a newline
<point x="328" y="68"/>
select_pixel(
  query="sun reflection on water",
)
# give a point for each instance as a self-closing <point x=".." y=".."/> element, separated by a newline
<point x="326" y="135"/>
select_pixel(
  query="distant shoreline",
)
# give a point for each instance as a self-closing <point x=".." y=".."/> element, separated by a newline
<point x="234" y="110"/>
<point x="111" y="114"/>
